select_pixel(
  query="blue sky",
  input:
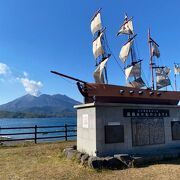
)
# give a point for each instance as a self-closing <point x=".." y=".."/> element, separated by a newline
<point x="37" y="36"/>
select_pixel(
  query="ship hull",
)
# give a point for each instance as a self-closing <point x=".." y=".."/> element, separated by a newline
<point x="120" y="94"/>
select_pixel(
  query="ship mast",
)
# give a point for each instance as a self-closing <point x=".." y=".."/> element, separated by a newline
<point x="175" y="84"/>
<point x="151" y="59"/>
<point x="162" y="73"/>
<point x="99" y="51"/>
<point x="129" y="37"/>
<point x="176" y="72"/>
<point x="133" y="69"/>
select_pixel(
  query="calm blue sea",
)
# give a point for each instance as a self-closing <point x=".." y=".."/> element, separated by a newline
<point x="5" y="123"/>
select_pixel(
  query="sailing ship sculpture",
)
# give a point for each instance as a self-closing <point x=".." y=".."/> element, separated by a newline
<point x="135" y="90"/>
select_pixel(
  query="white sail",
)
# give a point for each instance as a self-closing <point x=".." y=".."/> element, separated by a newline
<point x="133" y="71"/>
<point x="98" y="73"/>
<point x="163" y="83"/>
<point x="96" y="23"/>
<point x="176" y="69"/>
<point x="162" y="79"/>
<point x="97" y="47"/>
<point x="125" y="50"/>
<point x="167" y="70"/>
<point x="137" y="83"/>
<point x="128" y="71"/>
<point x="126" y="28"/>
<point x="155" y="50"/>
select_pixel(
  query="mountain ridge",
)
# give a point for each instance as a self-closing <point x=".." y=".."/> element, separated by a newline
<point x="56" y="104"/>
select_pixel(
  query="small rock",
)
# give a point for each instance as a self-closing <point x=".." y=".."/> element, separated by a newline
<point x="137" y="161"/>
<point x="95" y="162"/>
<point x="126" y="159"/>
<point x="65" y="151"/>
<point x="79" y="155"/>
<point x="84" y="159"/>
<point x="113" y="163"/>
<point x="71" y="154"/>
<point x="74" y="147"/>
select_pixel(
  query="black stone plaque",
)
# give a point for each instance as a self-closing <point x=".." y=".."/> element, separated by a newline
<point x="114" y="134"/>
<point x="175" y="129"/>
<point x="146" y="113"/>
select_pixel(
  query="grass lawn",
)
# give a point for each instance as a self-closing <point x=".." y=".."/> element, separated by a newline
<point x="44" y="161"/>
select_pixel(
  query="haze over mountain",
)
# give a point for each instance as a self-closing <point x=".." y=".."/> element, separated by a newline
<point x="44" y="104"/>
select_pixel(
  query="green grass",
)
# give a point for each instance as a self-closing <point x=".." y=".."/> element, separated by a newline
<point x="45" y="161"/>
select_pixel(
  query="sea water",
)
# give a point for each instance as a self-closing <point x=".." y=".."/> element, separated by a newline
<point x="31" y="122"/>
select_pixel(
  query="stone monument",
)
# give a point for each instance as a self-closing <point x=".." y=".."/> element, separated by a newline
<point x="106" y="129"/>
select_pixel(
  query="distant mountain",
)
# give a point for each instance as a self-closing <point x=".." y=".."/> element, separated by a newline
<point x="44" y="104"/>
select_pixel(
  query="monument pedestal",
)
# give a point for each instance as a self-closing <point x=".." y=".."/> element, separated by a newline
<point x="105" y="129"/>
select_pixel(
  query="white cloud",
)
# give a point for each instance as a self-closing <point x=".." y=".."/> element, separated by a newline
<point x="4" y="69"/>
<point x="31" y="87"/>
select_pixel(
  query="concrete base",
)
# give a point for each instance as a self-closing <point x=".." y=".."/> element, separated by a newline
<point x="108" y="129"/>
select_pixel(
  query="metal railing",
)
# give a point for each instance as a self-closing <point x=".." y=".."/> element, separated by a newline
<point x="35" y="133"/>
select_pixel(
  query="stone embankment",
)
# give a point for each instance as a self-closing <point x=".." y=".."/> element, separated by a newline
<point x="119" y="161"/>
